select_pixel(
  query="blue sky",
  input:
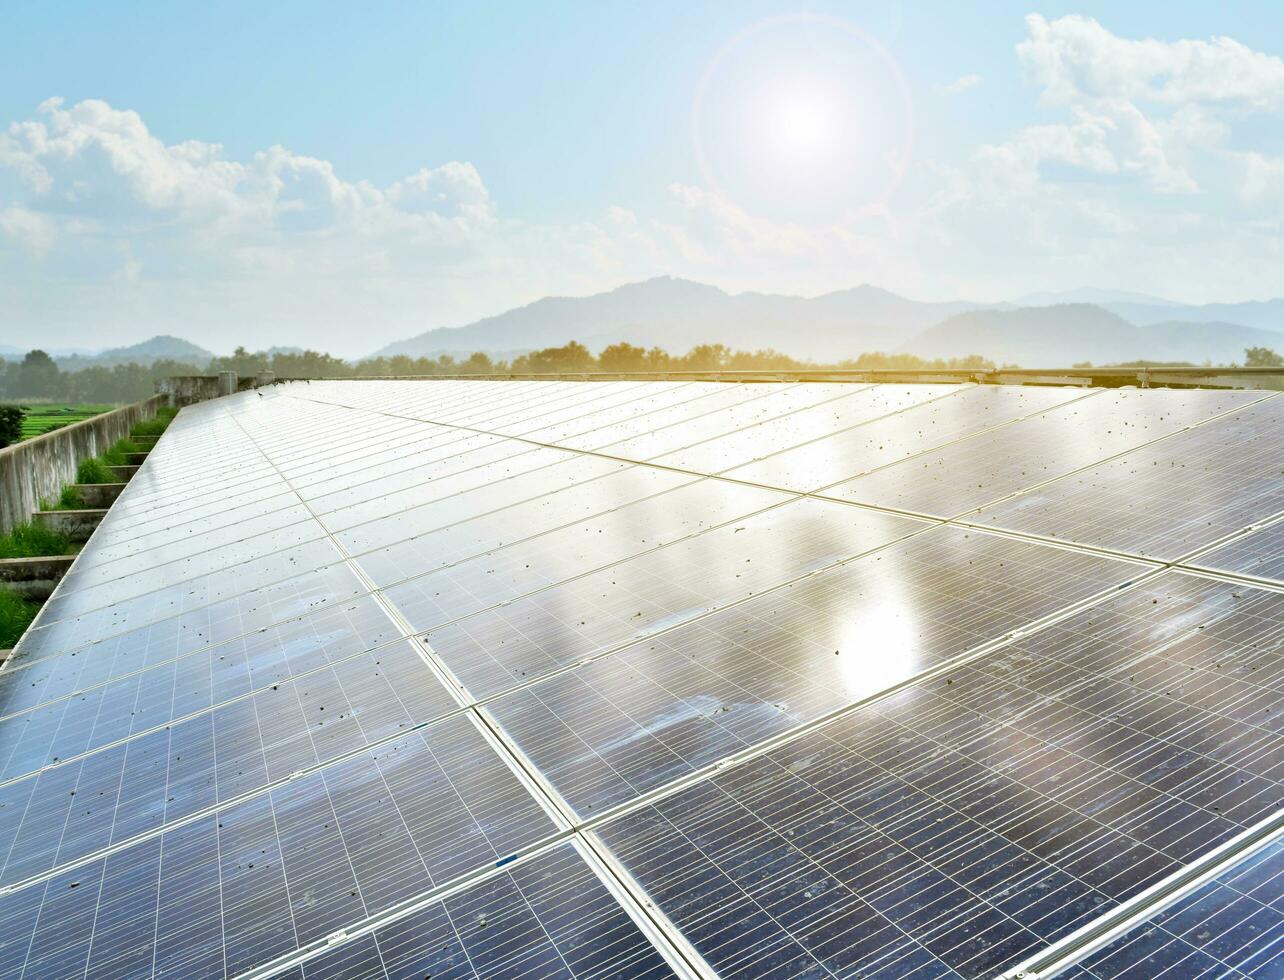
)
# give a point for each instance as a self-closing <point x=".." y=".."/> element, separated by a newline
<point x="557" y="155"/>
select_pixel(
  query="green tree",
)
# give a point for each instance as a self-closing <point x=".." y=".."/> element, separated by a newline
<point x="574" y="357"/>
<point x="478" y="362"/>
<point x="706" y="357"/>
<point x="10" y="425"/>
<point x="1262" y="357"/>
<point x="623" y="357"/>
<point x="242" y="362"/>
<point x="38" y="376"/>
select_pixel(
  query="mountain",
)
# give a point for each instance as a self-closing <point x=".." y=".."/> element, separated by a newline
<point x="1264" y="315"/>
<point x="677" y="314"/>
<point x="1089" y="294"/>
<point x="161" y="347"/>
<point x="1059" y="336"/>
<point x="11" y="353"/>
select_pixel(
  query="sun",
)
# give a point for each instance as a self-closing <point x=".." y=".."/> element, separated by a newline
<point x="801" y="118"/>
<point x="801" y="121"/>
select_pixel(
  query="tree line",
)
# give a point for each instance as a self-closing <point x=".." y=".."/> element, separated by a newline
<point x="37" y="376"/>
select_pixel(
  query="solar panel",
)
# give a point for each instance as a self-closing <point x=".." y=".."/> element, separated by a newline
<point x="1233" y="926"/>
<point x="1259" y="553"/>
<point x="1168" y="498"/>
<point x="470" y="678"/>
<point x="971" y="473"/>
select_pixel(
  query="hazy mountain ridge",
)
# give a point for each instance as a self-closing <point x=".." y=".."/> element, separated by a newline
<point x="1263" y="314"/>
<point x="162" y="347"/>
<point x="1059" y="336"/>
<point x="676" y="314"/>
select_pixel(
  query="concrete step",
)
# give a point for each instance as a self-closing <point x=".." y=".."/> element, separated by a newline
<point x="77" y="525"/>
<point x="34" y="578"/>
<point x="123" y="472"/>
<point x="135" y="459"/>
<point x="4" y="655"/>
<point x="98" y="494"/>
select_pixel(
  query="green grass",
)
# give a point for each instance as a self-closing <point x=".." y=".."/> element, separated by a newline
<point x="115" y="456"/>
<point x="40" y="419"/>
<point x="94" y="470"/>
<point x="32" y="540"/>
<point x="69" y="499"/>
<point x="16" y="614"/>
<point x="156" y="426"/>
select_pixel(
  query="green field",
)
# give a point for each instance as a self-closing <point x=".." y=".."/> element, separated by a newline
<point x="41" y="418"/>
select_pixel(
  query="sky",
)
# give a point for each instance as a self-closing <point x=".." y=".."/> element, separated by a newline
<point x="339" y="176"/>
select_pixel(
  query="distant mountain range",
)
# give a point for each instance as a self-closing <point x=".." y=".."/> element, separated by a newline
<point x="1041" y="329"/>
<point x="1045" y="329"/>
<point x="1059" y="336"/>
<point x="676" y="314"/>
<point x="161" y="347"/>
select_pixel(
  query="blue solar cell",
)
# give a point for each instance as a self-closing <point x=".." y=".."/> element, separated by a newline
<point x="981" y="815"/>
<point x="259" y="878"/>
<point x="1233" y="926"/>
<point x="549" y="917"/>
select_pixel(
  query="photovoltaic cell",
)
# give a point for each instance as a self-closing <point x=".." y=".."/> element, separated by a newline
<point x="599" y="499"/>
<point x="525" y="634"/>
<point x="283" y="869"/>
<point x="773" y="404"/>
<point x="965" y="475"/>
<point x="291" y="725"/>
<point x="142" y="639"/>
<point x="962" y="824"/>
<point x="1233" y="926"/>
<point x="582" y="478"/>
<point x="332" y="633"/>
<point x="550" y="917"/>
<point x="1260" y="554"/>
<point x="931" y="421"/>
<point x="621" y="726"/>
<point x="1166" y="499"/>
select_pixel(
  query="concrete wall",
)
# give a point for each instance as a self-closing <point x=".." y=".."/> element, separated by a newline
<point x="76" y="525"/>
<point x="188" y="390"/>
<point x="99" y="494"/>
<point x="34" y="578"/>
<point x="42" y="466"/>
<point x="181" y="390"/>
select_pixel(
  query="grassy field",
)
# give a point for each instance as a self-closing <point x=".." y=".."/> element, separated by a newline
<point x="41" y="418"/>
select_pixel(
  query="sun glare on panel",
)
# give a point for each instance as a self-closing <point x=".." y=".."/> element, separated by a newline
<point x="802" y="118"/>
<point x="879" y="647"/>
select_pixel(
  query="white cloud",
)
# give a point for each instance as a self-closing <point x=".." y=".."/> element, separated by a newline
<point x="27" y="229"/>
<point x="961" y="84"/>
<point x="1075" y="57"/>
<point x="103" y="206"/>
<point x="1143" y="169"/>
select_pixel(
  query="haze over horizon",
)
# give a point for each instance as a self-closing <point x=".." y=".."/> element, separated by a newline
<point x="175" y="171"/>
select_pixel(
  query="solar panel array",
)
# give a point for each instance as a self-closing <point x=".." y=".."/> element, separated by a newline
<point x="471" y="678"/>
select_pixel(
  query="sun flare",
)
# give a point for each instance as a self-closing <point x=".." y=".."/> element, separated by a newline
<point x="802" y="117"/>
<point x="801" y="121"/>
